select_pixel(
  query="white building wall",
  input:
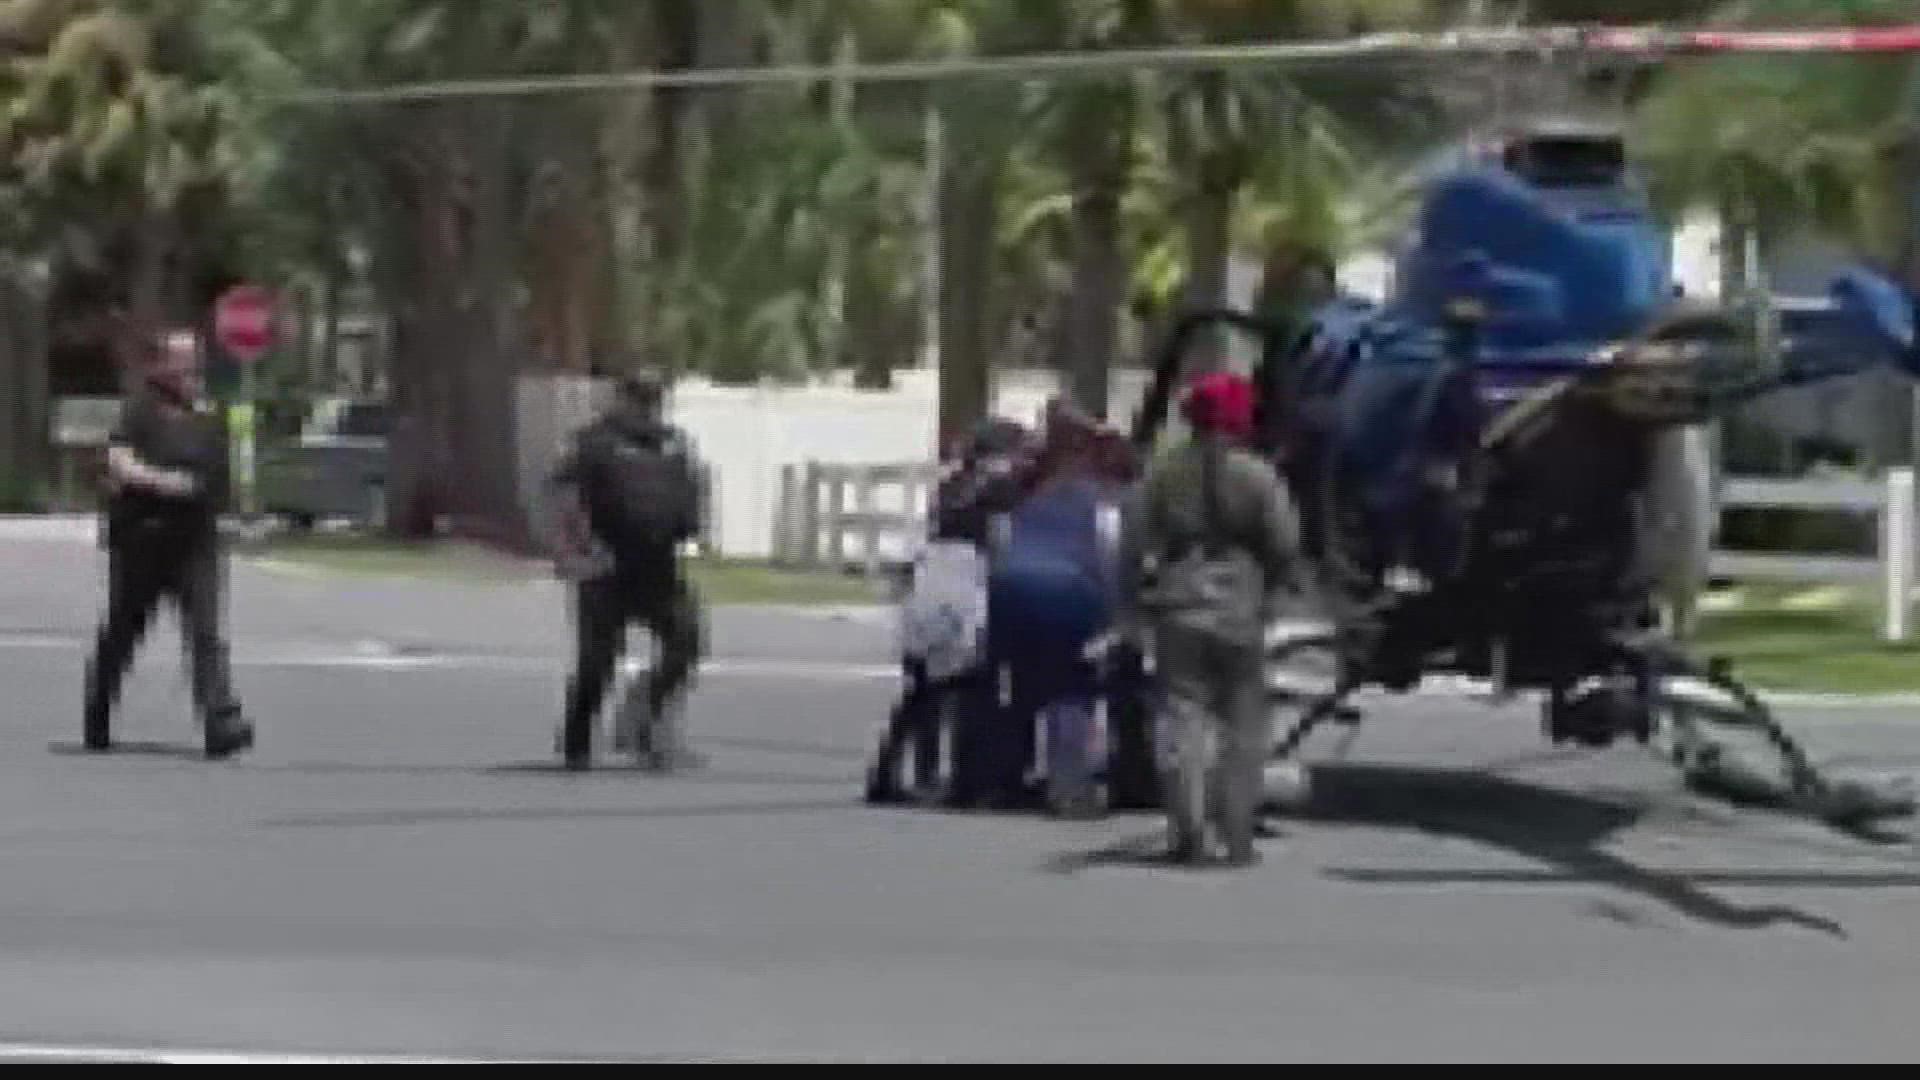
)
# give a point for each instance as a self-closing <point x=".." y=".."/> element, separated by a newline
<point x="748" y="434"/>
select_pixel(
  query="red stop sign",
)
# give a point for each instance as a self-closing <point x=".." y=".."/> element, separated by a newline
<point x="243" y="322"/>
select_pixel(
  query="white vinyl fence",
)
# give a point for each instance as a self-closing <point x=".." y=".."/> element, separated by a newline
<point x="828" y="513"/>
<point x="1889" y="500"/>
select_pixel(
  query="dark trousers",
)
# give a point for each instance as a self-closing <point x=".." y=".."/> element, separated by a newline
<point x="604" y="609"/>
<point x="142" y="572"/>
<point x="915" y="724"/>
<point x="999" y="736"/>
<point x="919" y="720"/>
<point x="1133" y="776"/>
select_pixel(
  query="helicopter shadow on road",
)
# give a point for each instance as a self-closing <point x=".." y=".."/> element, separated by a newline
<point x="1564" y="831"/>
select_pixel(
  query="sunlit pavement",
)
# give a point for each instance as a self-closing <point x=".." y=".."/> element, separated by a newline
<point x="399" y="869"/>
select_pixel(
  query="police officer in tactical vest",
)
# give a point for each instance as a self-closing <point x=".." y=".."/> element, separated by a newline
<point x="636" y="498"/>
<point x="168" y="482"/>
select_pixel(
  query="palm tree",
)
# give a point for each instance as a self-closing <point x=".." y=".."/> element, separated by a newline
<point x="437" y="193"/>
<point x="121" y="154"/>
<point x="1782" y="146"/>
<point x="1773" y="141"/>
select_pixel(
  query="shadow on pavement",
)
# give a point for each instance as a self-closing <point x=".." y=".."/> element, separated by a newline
<point x="1811" y="879"/>
<point x="1561" y="829"/>
<point x="175" y="751"/>
<point x="1147" y="851"/>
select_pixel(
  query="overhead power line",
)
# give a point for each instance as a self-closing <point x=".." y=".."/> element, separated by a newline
<point x="1393" y="46"/>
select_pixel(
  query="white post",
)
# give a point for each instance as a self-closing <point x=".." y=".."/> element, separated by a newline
<point x="786" y="515"/>
<point x="869" y="521"/>
<point x="812" y="483"/>
<point x="1896" y="551"/>
<point x="837" y="517"/>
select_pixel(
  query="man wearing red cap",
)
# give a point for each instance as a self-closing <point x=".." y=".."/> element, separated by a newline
<point x="1211" y="544"/>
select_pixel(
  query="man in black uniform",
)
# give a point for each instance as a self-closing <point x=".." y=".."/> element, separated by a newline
<point x="168" y="479"/>
<point x="636" y="497"/>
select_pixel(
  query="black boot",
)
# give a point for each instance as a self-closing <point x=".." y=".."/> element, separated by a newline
<point x="228" y="733"/>
<point x="96" y="732"/>
<point x="576" y="732"/>
<point x="96" y="728"/>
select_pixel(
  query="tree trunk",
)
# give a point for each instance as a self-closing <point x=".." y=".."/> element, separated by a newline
<point x="1097" y="166"/>
<point x="883" y="319"/>
<point x="969" y="204"/>
<point x="424" y="274"/>
<point x="1099" y="290"/>
<point x="24" y="445"/>
<point x="664" y="215"/>
<point x="563" y="283"/>
<point x="686" y="35"/>
<point x="304" y="319"/>
<point x="864" y="343"/>
<point x="417" y="444"/>
<point x="488" y="456"/>
<point x="1209" y="216"/>
<point x="330" y="305"/>
<point x="1214" y="180"/>
<point x="723" y="38"/>
<point x="146" y="292"/>
<point x="607" y="242"/>
<point x="847" y="241"/>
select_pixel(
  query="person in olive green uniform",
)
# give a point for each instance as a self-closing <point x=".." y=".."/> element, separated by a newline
<point x="1211" y="544"/>
<point x="168" y="482"/>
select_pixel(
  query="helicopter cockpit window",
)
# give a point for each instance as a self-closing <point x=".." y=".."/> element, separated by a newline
<point x="1568" y="161"/>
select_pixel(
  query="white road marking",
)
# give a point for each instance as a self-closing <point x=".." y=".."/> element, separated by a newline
<point x="370" y="657"/>
<point x="105" y="1055"/>
<point x="58" y="1053"/>
<point x="63" y="529"/>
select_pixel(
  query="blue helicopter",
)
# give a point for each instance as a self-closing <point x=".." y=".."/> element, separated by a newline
<point x="1483" y="460"/>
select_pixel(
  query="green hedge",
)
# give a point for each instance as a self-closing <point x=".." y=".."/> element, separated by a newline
<point x="22" y="495"/>
<point x="1801" y="532"/>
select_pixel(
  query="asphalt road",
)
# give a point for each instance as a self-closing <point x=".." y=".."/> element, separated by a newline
<point x="399" y="869"/>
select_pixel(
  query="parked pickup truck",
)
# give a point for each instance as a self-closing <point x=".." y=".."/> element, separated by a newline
<point x="334" y="470"/>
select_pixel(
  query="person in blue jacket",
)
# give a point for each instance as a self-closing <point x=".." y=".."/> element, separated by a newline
<point x="1052" y="591"/>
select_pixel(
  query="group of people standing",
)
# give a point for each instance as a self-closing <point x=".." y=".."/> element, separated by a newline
<point x="1017" y="577"/>
<point x="1064" y="574"/>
